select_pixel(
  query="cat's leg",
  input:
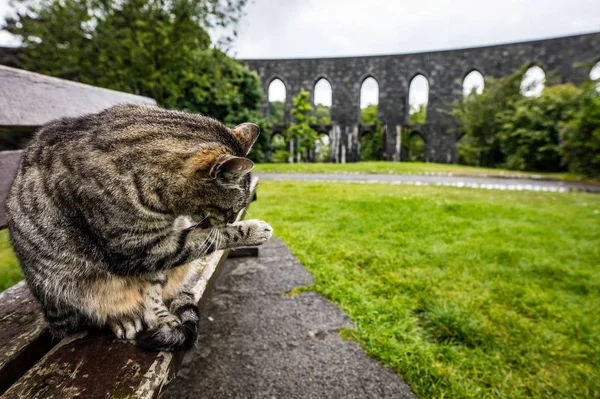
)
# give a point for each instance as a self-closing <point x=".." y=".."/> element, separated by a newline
<point x="179" y="247"/>
<point x="171" y="331"/>
<point x="156" y="313"/>
<point x="245" y="233"/>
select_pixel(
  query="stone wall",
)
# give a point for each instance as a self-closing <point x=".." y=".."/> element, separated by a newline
<point x="570" y="57"/>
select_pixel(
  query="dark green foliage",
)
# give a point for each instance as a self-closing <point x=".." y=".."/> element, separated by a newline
<point x="371" y="144"/>
<point x="503" y="128"/>
<point x="147" y="47"/>
<point x="529" y="131"/>
<point x="413" y="146"/>
<point x="417" y="115"/>
<point x="279" y="151"/>
<point x="581" y="137"/>
<point x="276" y="112"/>
<point x="477" y="116"/>
<point x="323" y="114"/>
<point x="368" y="115"/>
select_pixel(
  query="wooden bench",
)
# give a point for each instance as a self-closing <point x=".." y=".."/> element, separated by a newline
<point x="89" y="364"/>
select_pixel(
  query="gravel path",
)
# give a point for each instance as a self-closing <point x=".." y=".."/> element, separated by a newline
<point x="258" y="342"/>
<point x="489" y="183"/>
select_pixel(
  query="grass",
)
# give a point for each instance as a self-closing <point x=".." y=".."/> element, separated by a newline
<point x="10" y="272"/>
<point x="414" y="168"/>
<point x="465" y="293"/>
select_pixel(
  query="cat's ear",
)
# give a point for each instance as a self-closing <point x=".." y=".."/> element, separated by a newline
<point x="246" y="133"/>
<point x="231" y="163"/>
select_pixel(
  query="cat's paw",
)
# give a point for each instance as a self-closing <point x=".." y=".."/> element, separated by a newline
<point x="256" y="232"/>
<point x="126" y="327"/>
<point x="155" y="321"/>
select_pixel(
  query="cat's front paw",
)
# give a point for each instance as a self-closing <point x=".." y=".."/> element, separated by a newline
<point x="256" y="232"/>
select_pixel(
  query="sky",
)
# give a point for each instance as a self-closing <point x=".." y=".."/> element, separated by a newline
<point x="326" y="28"/>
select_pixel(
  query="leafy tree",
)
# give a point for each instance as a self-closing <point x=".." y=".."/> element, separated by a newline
<point x="413" y="146"/>
<point x="581" y="136"/>
<point x="477" y="117"/>
<point x="370" y="143"/>
<point x="529" y="131"/>
<point x="301" y="129"/>
<point x="323" y="114"/>
<point x="368" y="115"/>
<point x="148" y="47"/>
<point x="276" y="112"/>
<point x="417" y="115"/>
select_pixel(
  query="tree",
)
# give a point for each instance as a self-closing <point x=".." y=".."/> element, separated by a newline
<point x="277" y="112"/>
<point x="148" y="47"/>
<point x="323" y="114"/>
<point x="368" y="115"/>
<point x="529" y="131"/>
<point x="370" y="143"/>
<point x="417" y="115"/>
<point x="477" y="118"/>
<point x="580" y="139"/>
<point x="301" y="130"/>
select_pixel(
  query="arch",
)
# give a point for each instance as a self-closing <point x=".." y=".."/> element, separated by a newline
<point x="533" y="81"/>
<point x="323" y="97"/>
<point x="369" y="100"/>
<point x="418" y="98"/>
<point x="276" y="96"/>
<point x="413" y="146"/>
<point x="473" y="82"/>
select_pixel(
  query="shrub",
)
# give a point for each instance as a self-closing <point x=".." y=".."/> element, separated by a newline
<point x="529" y="131"/>
<point x="580" y="139"/>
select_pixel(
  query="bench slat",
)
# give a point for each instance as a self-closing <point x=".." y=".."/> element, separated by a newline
<point x="23" y="334"/>
<point x="97" y="365"/>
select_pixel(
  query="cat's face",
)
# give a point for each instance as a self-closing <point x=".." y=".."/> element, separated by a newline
<point x="220" y="178"/>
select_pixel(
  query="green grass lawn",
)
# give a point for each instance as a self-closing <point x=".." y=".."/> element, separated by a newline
<point x="465" y="293"/>
<point x="413" y="168"/>
<point x="10" y="273"/>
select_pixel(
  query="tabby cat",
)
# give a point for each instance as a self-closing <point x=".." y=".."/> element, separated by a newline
<point x="108" y="212"/>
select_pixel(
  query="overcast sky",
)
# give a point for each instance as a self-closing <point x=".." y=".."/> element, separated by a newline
<point x="324" y="28"/>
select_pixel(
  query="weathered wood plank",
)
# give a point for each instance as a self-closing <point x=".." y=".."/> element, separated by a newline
<point x="24" y="338"/>
<point x="9" y="163"/>
<point x="32" y="99"/>
<point x="96" y="365"/>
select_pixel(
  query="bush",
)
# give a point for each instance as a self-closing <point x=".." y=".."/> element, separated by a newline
<point x="580" y="138"/>
<point x="529" y="131"/>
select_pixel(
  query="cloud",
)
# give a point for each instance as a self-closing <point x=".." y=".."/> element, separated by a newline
<point x="311" y="28"/>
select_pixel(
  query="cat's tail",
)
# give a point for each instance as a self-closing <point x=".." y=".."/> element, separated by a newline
<point x="180" y="337"/>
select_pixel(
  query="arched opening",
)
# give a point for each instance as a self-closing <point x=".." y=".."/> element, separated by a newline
<point x="276" y="97"/>
<point x="279" y="150"/>
<point x="323" y="97"/>
<point x="371" y="142"/>
<point x="322" y="148"/>
<point x="413" y="147"/>
<point x="418" y="97"/>
<point x="369" y="100"/>
<point x="595" y="75"/>
<point x="473" y="83"/>
<point x="533" y="81"/>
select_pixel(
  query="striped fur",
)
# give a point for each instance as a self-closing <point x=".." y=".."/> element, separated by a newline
<point x="101" y="216"/>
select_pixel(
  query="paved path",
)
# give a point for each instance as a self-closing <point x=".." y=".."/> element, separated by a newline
<point x="257" y="342"/>
<point x="455" y="181"/>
